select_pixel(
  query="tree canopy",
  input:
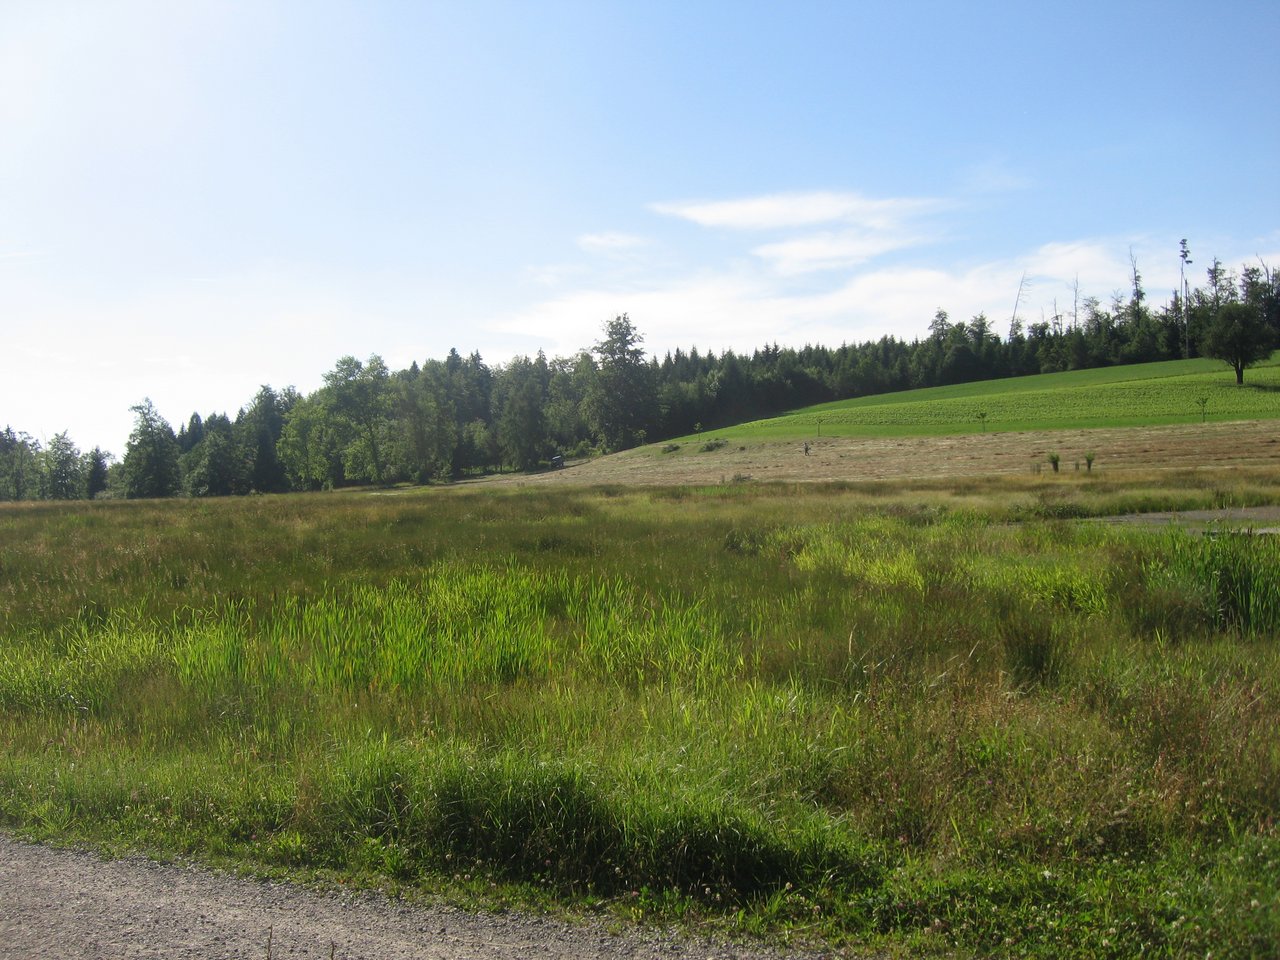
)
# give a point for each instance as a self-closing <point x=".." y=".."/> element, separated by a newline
<point x="620" y="402"/>
<point x="151" y="457"/>
<point x="358" y="396"/>
<point x="445" y="418"/>
<point x="1239" y="337"/>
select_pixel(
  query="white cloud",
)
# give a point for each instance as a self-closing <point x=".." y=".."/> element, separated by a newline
<point x="744" y="307"/>
<point x="750" y="303"/>
<point x="552" y="274"/>
<point x="1087" y="258"/>
<point x="669" y="315"/>
<point x="784" y="210"/>
<point x="609" y="242"/>
<point x="828" y="251"/>
<point x="741" y="311"/>
<point x="859" y="228"/>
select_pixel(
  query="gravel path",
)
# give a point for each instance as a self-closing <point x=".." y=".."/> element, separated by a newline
<point x="72" y="904"/>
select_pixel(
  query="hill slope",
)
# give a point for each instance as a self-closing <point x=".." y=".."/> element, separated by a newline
<point x="1143" y="417"/>
<point x="742" y="458"/>
<point x="1138" y="395"/>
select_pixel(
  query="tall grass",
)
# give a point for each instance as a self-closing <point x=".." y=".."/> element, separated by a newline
<point x="1237" y="574"/>
<point x="923" y="719"/>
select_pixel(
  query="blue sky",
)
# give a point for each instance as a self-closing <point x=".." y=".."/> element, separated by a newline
<point x="198" y="197"/>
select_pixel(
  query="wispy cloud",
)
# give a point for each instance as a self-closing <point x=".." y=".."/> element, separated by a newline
<point x="620" y="250"/>
<point x="857" y="228"/>
<point x="609" y="242"/>
<point x="790" y="210"/>
<point x="829" y="251"/>
<point x="742" y="308"/>
<point x="552" y="274"/>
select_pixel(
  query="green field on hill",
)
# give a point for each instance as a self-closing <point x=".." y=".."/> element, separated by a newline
<point x="925" y="721"/>
<point x="1130" y="396"/>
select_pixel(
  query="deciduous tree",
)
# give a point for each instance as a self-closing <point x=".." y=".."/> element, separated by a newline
<point x="18" y="465"/>
<point x="63" y="469"/>
<point x="622" y="400"/>
<point x="311" y="445"/>
<point x="1238" y="336"/>
<point x="358" y="393"/>
<point x="151" y="458"/>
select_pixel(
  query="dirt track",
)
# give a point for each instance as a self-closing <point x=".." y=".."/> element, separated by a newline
<point x="1247" y="443"/>
<point x="72" y="905"/>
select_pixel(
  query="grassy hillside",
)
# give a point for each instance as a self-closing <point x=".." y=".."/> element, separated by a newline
<point x="1139" y="395"/>
<point x="888" y="718"/>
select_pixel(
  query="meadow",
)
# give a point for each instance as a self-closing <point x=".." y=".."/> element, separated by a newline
<point x="949" y="718"/>
<point x="1149" y="394"/>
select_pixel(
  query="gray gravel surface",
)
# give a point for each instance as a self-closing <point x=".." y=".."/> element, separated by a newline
<point x="57" y="903"/>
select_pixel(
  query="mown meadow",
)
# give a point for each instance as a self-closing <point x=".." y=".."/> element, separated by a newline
<point x="1174" y="391"/>
<point x="946" y="718"/>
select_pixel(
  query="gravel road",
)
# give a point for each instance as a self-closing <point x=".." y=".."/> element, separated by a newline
<point x="72" y="904"/>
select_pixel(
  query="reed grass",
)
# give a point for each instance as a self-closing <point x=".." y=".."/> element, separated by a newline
<point x="928" y="719"/>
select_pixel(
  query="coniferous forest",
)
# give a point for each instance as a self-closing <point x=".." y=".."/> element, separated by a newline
<point x="448" y="418"/>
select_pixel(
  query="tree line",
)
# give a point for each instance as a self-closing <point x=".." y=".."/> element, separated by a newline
<point x="448" y="418"/>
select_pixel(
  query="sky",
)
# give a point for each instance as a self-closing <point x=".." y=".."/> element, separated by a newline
<point x="198" y="198"/>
